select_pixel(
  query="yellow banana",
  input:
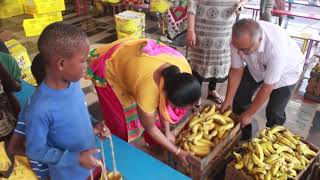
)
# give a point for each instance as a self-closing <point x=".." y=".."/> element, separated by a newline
<point x="200" y="151"/>
<point x="228" y="119"/>
<point x="245" y="145"/>
<point x="195" y="120"/>
<point x="299" y="157"/>
<point x="264" y="139"/>
<point x="186" y="146"/>
<point x="290" y="158"/>
<point x="276" y="168"/>
<point x="206" y="134"/>
<point x="273" y="158"/>
<point x="221" y="134"/>
<point x="226" y="127"/>
<point x="195" y="128"/>
<point x="219" y="119"/>
<point x="209" y="127"/>
<point x="307" y="161"/>
<point x="275" y="146"/>
<point x="239" y="165"/>
<point x="271" y="137"/>
<point x="213" y="134"/>
<point x="251" y="147"/>
<point x="256" y="140"/>
<point x="227" y="113"/>
<point x="284" y="149"/>
<point x="208" y="111"/>
<point x="268" y="176"/>
<point x="270" y="148"/>
<point x="246" y="160"/>
<point x="258" y="170"/>
<point x="284" y="141"/>
<point x="266" y="152"/>
<point x="276" y="129"/>
<point x="292" y="173"/>
<point x="207" y="142"/>
<point x="250" y="164"/>
<point x="259" y="150"/>
<point x="237" y="156"/>
<point x="196" y="137"/>
<point x="199" y="143"/>
<point x="299" y="167"/>
<point x="309" y="152"/>
<point x="291" y="138"/>
<point x="301" y="147"/>
<point x="259" y="163"/>
<point x="281" y="176"/>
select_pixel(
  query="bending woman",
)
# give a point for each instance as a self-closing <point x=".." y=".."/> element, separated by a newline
<point x="138" y="81"/>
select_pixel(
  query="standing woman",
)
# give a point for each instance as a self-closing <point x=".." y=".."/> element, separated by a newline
<point x="208" y="36"/>
<point x="266" y="7"/>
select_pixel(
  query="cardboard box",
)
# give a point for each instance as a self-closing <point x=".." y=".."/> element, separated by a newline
<point x="19" y="52"/>
<point x="10" y="8"/>
<point x="43" y="6"/>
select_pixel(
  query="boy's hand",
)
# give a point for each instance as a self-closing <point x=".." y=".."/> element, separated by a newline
<point x="87" y="160"/>
<point x="101" y="130"/>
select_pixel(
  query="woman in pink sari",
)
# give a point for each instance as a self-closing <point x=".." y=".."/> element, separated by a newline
<point x="138" y="81"/>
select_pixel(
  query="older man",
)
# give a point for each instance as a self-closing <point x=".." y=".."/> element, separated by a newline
<point x="262" y="56"/>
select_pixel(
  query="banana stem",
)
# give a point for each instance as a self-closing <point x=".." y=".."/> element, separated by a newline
<point x="113" y="157"/>
<point x="102" y="153"/>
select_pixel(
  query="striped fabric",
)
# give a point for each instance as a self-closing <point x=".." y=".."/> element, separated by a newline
<point x="40" y="169"/>
<point x="134" y="126"/>
<point x="278" y="60"/>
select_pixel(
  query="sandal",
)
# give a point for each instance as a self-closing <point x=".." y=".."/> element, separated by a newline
<point x="215" y="99"/>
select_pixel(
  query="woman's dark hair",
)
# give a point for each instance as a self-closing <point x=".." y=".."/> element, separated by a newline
<point x="182" y="89"/>
<point x="38" y="69"/>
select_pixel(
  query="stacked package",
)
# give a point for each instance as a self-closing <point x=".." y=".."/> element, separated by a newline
<point x="11" y="8"/>
<point x="19" y="52"/>
<point x="159" y="6"/>
<point x="45" y="12"/>
<point x="130" y="24"/>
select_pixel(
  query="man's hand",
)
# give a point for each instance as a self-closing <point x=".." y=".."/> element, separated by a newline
<point x="87" y="160"/>
<point x="101" y="130"/>
<point x="245" y="119"/>
<point x="226" y="105"/>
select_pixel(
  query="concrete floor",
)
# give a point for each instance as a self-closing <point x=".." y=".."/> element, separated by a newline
<point x="303" y="116"/>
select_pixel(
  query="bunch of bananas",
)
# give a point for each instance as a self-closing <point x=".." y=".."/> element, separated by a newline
<point x="317" y="68"/>
<point x="203" y="130"/>
<point x="276" y="154"/>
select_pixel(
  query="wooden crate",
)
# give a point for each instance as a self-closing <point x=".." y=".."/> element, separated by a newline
<point x="232" y="172"/>
<point x="201" y="168"/>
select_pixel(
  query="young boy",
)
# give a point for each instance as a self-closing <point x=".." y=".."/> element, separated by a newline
<point x="59" y="132"/>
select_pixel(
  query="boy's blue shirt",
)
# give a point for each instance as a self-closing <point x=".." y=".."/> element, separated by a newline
<point x="58" y="129"/>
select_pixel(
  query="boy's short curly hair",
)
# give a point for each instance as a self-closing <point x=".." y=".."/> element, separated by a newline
<point x="60" y="40"/>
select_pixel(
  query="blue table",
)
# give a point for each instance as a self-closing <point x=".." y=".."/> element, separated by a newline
<point x="134" y="164"/>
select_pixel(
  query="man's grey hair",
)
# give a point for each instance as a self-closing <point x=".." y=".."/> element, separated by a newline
<point x="245" y="26"/>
